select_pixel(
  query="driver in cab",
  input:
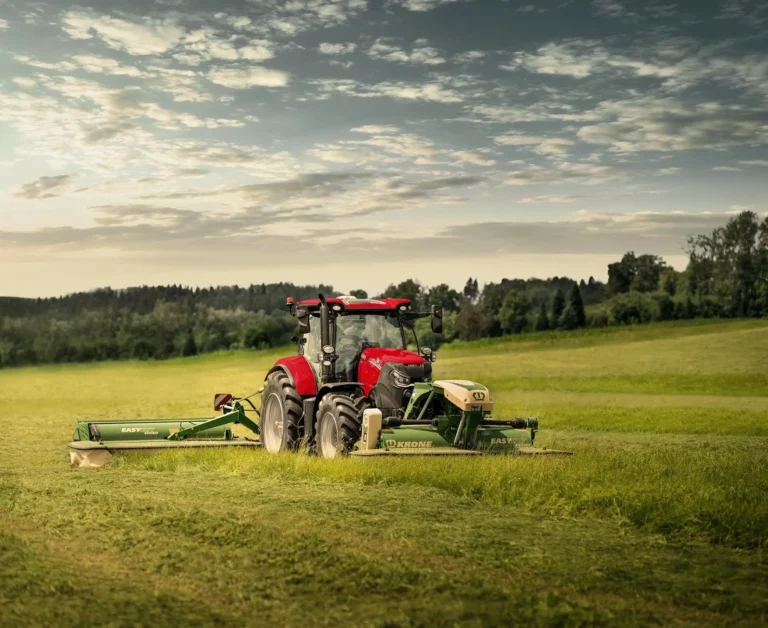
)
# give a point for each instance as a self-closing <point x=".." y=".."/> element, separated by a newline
<point x="349" y="348"/>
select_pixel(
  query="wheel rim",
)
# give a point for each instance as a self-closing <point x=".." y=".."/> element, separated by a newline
<point x="329" y="437"/>
<point x="273" y="424"/>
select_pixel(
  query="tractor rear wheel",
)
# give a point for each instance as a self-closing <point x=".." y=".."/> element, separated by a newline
<point x="339" y="424"/>
<point x="281" y="414"/>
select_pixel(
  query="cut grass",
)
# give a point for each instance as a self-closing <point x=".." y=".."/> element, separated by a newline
<point x="660" y="517"/>
<point x="706" y="489"/>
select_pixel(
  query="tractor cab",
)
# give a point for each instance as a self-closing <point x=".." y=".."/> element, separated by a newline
<point x="346" y="339"/>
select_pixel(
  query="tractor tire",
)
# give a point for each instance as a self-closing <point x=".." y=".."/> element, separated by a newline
<point x="339" y="423"/>
<point x="282" y="414"/>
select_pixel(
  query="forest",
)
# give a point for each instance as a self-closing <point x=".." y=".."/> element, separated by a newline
<point x="726" y="276"/>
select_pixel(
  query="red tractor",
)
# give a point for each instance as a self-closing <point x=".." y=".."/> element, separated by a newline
<point x="345" y="345"/>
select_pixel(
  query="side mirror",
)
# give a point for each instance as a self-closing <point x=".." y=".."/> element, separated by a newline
<point x="302" y="316"/>
<point x="437" y="319"/>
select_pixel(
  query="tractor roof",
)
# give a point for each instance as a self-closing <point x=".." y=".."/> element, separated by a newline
<point x="352" y="303"/>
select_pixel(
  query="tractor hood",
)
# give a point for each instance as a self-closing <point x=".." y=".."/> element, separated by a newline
<point x="401" y="356"/>
<point x="373" y="360"/>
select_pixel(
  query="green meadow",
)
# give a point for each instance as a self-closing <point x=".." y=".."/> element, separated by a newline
<point x="659" y="518"/>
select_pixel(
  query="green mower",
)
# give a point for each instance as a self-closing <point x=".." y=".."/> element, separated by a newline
<point x="353" y="388"/>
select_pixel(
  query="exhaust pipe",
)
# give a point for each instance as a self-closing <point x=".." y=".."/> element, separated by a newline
<point x="325" y="336"/>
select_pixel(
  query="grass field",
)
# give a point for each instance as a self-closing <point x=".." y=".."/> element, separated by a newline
<point x="660" y="517"/>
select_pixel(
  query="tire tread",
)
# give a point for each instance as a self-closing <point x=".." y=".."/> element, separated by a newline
<point x="293" y="407"/>
<point x="348" y="408"/>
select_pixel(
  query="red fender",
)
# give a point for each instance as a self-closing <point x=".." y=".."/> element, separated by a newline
<point x="300" y="372"/>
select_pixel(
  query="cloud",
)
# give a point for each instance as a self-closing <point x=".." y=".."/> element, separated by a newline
<point x="583" y="233"/>
<point x="145" y="36"/>
<point x="304" y="187"/>
<point x="584" y="173"/>
<point x="159" y="229"/>
<point x="541" y="145"/>
<point x="340" y="154"/>
<point x="61" y="66"/>
<point x="80" y="124"/>
<point x="422" y="5"/>
<point x="666" y="124"/>
<point x="550" y="199"/>
<point x="505" y="114"/>
<point x="205" y="44"/>
<point x="181" y="85"/>
<point x="727" y="169"/>
<point x="4" y="24"/>
<point x="336" y="49"/>
<point x="102" y="133"/>
<point x="376" y="129"/>
<point x="399" y="90"/>
<point x="430" y="92"/>
<point x="24" y="81"/>
<point x="576" y="59"/>
<point x="291" y="18"/>
<point x="472" y="157"/>
<point x="420" y="54"/>
<point x="105" y="65"/>
<point x="677" y="63"/>
<point x="244" y="78"/>
<point x="741" y="9"/>
<point x="581" y="58"/>
<point x="470" y="56"/>
<point x="665" y="172"/>
<point x="532" y="8"/>
<point x="755" y="162"/>
<point x="44" y="187"/>
<point x="161" y="232"/>
<point x="327" y="197"/>
<point x="586" y="233"/>
<point x="611" y="8"/>
<point x="387" y="145"/>
<point x="123" y="215"/>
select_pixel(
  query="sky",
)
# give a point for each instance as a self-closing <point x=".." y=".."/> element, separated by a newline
<point x="361" y="142"/>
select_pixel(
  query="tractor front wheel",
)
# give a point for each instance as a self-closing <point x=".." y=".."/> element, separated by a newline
<point x="339" y="424"/>
<point x="281" y="414"/>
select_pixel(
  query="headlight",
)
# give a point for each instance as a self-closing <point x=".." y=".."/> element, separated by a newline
<point x="328" y="349"/>
<point x="426" y="351"/>
<point x="400" y="380"/>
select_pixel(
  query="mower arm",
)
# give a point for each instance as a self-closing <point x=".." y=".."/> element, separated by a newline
<point x="235" y="416"/>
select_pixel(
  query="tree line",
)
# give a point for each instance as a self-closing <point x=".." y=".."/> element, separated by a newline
<point x="726" y="276"/>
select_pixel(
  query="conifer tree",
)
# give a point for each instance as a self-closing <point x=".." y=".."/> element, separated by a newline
<point x="558" y="305"/>
<point x="577" y="304"/>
